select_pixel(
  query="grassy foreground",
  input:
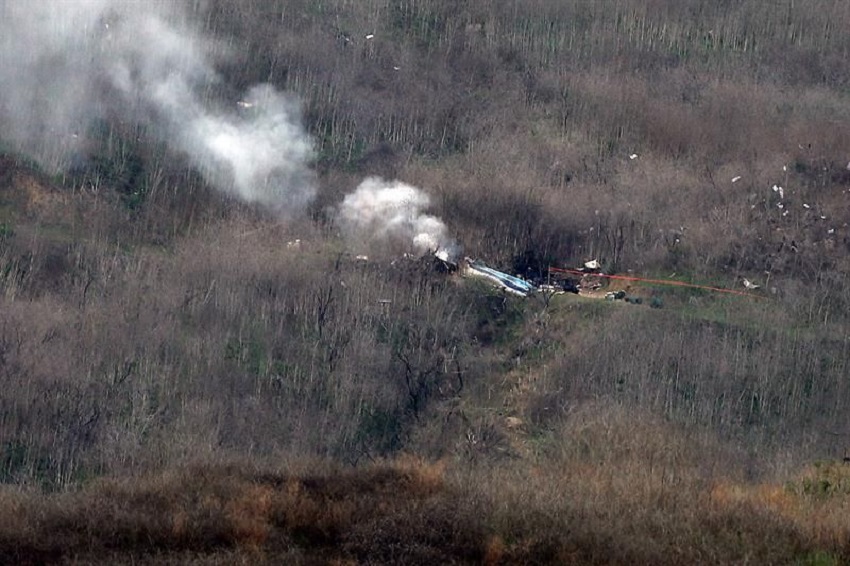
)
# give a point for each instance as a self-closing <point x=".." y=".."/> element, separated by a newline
<point x="617" y="490"/>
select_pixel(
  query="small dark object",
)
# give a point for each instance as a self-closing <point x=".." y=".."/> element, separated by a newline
<point x="656" y="303"/>
<point x="570" y="286"/>
<point x="620" y="295"/>
<point x="443" y="265"/>
<point x="634" y="300"/>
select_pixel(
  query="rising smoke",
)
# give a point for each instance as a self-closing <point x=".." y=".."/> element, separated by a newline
<point x="380" y="209"/>
<point x="66" y="64"/>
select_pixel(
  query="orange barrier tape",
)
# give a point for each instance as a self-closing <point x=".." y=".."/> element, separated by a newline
<point x="657" y="282"/>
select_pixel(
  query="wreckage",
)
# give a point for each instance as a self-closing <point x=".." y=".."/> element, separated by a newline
<point x="588" y="284"/>
<point x="441" y="261"/>
<point x="509" y="283"/>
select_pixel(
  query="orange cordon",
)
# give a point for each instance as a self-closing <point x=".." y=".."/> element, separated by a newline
<point x="656" y="282"/>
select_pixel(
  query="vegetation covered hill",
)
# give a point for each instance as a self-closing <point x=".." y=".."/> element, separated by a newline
<point x="153" y="330"/>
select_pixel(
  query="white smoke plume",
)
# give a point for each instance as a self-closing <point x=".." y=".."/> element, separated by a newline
<point x="66" y="63"/>
<point x="380" y="209"/>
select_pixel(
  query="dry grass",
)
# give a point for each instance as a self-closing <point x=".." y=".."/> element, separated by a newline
<point x="613" y="487"/>
<point x="210" y="510"/>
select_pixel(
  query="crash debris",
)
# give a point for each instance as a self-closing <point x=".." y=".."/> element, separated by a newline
<point x="509" y="283"/>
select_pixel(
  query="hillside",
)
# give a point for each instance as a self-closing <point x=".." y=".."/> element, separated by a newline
<point x="224" y="336"/>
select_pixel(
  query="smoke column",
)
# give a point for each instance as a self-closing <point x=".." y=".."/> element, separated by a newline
<point x="380" y="209"/>
<point x="65" y="64"/>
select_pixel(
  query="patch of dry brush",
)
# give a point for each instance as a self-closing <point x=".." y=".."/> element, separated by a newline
<point x="613" y="488"/>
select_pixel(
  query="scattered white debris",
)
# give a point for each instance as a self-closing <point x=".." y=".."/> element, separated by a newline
<point x="780" y="190"/>
<point x="633" y="156"/>
<point x="592" y="264"/>
<point x="784" y="168"/>
<point x="848" y="165"/>
<point x="361" y="258"/>
<point x="831" y="231"/>
<point x="750" y="285"/>
<point x="370" y="35"/>
<point x="822" y="217"/>
<point x="780" y="205"/>
<point x="806" y="205"/>
<point x="396" y="68"/>
<point x="245" y="104"/>
<point x="294" y="244"/>
<point x="736" y="179"/>
<point x="785" y="213"/>
<point x="551" y="289"/>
